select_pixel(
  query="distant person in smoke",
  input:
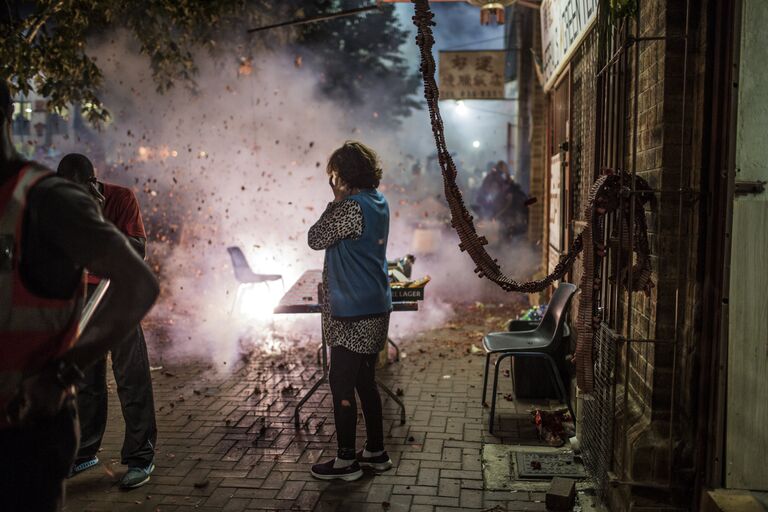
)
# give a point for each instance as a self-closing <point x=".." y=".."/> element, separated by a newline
<point x="130" y="362"/>
<point x="500" y="198"/>
<point x="356" y="304"/>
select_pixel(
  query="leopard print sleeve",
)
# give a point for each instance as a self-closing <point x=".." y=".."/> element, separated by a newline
<point x="340" y="220"/>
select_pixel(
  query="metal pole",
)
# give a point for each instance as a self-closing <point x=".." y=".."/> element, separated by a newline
<point x="676" y="346"/>
<point x="632" y="208"/>
<point x="93" y="303"/>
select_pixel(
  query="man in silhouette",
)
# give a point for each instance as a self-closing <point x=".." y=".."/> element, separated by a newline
<point x="130" y="363"/>
<point x="51" y="230"/>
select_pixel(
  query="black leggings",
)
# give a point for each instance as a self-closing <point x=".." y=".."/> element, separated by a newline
<point x="351" y="371"/>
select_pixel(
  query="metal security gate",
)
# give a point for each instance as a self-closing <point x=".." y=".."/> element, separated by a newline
<point x="624" y="346"/>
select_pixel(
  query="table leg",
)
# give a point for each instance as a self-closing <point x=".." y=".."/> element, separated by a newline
<point x="397" y="349"/>
<point x="395" y="398"/>
<point x="316" y="385"/>
<point x="306" y="397"/>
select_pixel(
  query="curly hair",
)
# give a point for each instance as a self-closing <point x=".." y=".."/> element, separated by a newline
<point x="356" y="164"/>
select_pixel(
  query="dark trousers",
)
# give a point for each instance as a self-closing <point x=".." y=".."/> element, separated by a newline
<point x="351" y="371"/>
<point x="130" y="365"/>
<point x="36" y="460"/>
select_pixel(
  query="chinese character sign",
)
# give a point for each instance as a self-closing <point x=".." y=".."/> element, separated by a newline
<point x="472" y="75"/>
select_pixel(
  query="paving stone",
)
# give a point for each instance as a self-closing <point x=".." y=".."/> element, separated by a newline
<point x="408" y="468"/>
<point x="449" y="487"/>
<point x="415" y="489"/>
<point x="470" y="498"/>
<point x="379" y="493"/>
<point x="428" y="476"/>
<point x="436" y="500"/>
<point x="216" y="435"/>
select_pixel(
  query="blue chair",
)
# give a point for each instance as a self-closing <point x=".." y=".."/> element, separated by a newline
<point x="542" y="342"/>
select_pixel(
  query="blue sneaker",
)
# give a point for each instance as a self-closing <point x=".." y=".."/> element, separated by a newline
<point x="136" y="476"/>
<point x="82" y="466"/>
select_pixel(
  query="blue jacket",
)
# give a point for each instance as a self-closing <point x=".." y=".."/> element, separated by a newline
<point x="358" y="283"/>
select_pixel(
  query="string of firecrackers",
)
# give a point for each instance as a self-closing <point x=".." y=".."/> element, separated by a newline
<point x="605" y="196"/>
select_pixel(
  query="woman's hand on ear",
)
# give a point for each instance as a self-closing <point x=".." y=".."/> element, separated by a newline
<point x="340" y="190"/>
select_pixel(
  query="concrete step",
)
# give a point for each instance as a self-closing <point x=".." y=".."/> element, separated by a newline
<point x="727" y="500"/>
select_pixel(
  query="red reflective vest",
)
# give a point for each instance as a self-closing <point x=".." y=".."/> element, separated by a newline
<point x="33" y="330"/>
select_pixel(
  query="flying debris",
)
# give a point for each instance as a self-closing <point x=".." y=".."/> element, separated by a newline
<point x="246" y="66"/>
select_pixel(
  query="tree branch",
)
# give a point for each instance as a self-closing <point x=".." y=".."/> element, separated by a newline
<point x="42" y="19"/>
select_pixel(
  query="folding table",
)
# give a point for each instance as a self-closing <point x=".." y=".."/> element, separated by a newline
<point x="303" y="298"/>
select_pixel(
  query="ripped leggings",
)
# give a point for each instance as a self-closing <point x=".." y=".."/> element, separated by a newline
<point x="352" y="371"/>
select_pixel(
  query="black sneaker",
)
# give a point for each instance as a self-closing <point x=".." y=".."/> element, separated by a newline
<point x="379" y="463"/>
<point x="326" y="471"/>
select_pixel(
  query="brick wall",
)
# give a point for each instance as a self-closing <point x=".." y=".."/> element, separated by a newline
<point x="669" y="126"/>
<point x="536" y="110"/>
<point x="641" y="448"/>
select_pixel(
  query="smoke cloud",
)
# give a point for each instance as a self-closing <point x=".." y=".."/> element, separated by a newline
<point x="241" y="162"/>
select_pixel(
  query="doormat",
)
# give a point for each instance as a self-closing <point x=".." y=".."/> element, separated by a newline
<point x="548" y="465"/>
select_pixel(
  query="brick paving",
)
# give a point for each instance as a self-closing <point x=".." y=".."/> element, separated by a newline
<point x="227" y="443"/>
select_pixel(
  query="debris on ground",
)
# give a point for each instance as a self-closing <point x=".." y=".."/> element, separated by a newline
<point x="554" y="427"/>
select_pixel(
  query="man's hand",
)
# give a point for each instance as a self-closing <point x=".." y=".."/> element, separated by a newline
<point x="41" y="396"/>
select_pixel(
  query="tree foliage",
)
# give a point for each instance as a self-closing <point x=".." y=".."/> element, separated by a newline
<point x="44" y="46"/>
<point x="360" y="59"/>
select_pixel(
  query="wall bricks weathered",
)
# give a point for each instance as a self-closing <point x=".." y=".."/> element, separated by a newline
<point x="669" y="113"/>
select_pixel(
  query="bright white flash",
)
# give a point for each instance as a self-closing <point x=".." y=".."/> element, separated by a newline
<point x="257" y="301"/>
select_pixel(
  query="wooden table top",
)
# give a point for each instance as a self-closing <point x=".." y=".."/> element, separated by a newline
<point x="302" y="296"/>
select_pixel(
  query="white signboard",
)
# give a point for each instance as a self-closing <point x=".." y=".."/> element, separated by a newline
<point x="472" y="75"/>
<point x="564" y="23"/>
<point x="555" y="202"/>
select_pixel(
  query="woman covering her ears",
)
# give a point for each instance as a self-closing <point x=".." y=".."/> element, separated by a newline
<point x="356" y="304"/>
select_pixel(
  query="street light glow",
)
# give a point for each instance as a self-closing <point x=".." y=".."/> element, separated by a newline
<point x="476" y="144"/>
